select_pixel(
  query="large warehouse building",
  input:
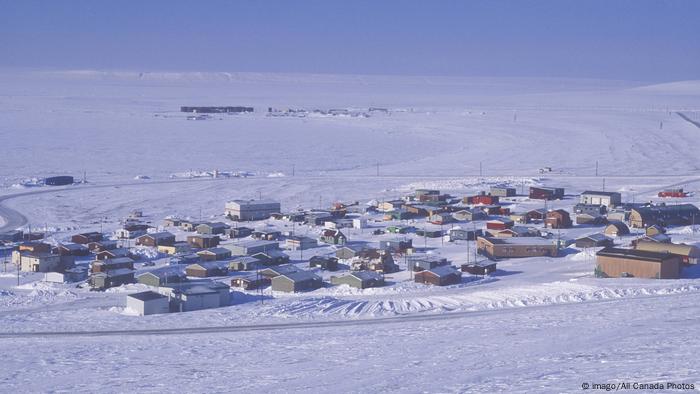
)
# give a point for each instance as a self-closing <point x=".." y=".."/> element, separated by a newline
<point x="617" y="262"/>
<point x="251" y="209"/>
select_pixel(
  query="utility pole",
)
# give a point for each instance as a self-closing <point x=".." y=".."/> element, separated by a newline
<point x="481" y="171"/>
<point x="596" y="168"/>
<point x="293" y="168"/>
<point x="377" y="168"/>
<point x="603" y="184"/>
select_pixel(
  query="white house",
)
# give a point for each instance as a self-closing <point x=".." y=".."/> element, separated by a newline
<point x="148" y="303"/>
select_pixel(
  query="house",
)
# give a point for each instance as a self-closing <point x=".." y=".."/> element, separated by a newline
<point x="112" y="278"/>
<point x="441" y="218"/>
<point x="244" y="263"/>
<point x="617" y="262"/>
<point x="189" y="225"/>
<point x="430" y="233"/>
<point x="114" y="253"/>
<point x="593" y="210"/>
<point x="470" y="215"/>
<point x="203" y="241"/>
<point x="558" y="218"/>
<point x="28" y="261"/>
<point x="318" y="217"/>
<point x="300" y="243"/>
<point x="99" y="246"/>
<point x="155" y="239"/>
<point x="398" y="214"/>
<point x="619" y="214"/>
<point x="347" y="252"/>
<point x="296" y="281"/>
<point x="72" y="250"/>
<point x="70" y="275"/>
<point x="339" y="223"/>
<point x="460" y="234"/>
<point x="148" y="303"/>
<point x="326" y="263"/>
<point x="515" y="231"/>
<point x="239" y="232"/>
<point x="422" y="261"/>
<point x="111" y="264"/>
<point x="616" y="229"/>
<point x="479" y="268"/>
<point x="272" y="257"/>
<point x="427" y="195"/>
<point x="391" y="205"/>
<point x="520" y="218"/>
<point x="536" y="214"/>
<point x="594" y="241"/>
<point x="359" y="279"/>
<point x="207" y="269"/>
<point x="266" y="235"/>
<point x="172" y="222"/>
<point x="34" y="247"/>
<point x="481" y="199"/>
<point x="396" y="245"/>
<point x="546" y="193"/>
<point x="502" y="191"/>
<point x="591" y="220"/>
<point x="271" y="272"/>
<point x="248" y="210"/>
<point x="85" y="238"/>
<point x="333" y="237"/>
<point x="250" y="282"/>
<point x="247" y="248"/>
<point x="664" y="215"/>
<point x="517" y="247"/>
<point x="444" y="275"/>
<point x="196" y="295"/>
<point x="660" y="238"/>
<point x="607" y="199"/>
<point x="212" y="228"/>
<point x="162" y="276"/>
<point x="494" y="210"/>
<point x="374" y="260"/>
<point x="689" y="254"/>
<point x="499" y="224"/>
<point x="214" y="254"/>
<point x="654" y="229"/>
<point x="131" y="231"/>
<point x="176" y="248"/>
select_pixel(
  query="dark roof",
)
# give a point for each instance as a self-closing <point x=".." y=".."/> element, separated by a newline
<point x="444" y="270"/>
<point x="634" y="254"/>
<point x="609" y="194"/>
<point x="147" y="296"/>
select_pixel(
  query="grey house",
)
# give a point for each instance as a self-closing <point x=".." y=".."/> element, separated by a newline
<point x="249" y="248"/>
<point x="148" y="303"/>
<point x="246" y="210"/>
<point x="296" y="281"/>
<point x="594" y="241"/>
<point x="359" y="279"/>
<point x="609" y="199"/>
<point x="114" y="278"/>
<point x="277" y="271"/>
<point x="161" y="277"/>
<point x="459" y="234"/>
<point x="212" y="228"/>
<point x="421" y="262"/>
<point x="502" y="191"/>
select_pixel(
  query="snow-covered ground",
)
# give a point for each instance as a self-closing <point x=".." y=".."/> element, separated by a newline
<point x="537" y="325"/>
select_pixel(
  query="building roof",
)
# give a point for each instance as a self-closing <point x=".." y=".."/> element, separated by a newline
<point x="366" y="275"/>
<point x="634" y="254"/>
<point x="599" y="193"/>
<point x="299" y="276"/>
<point x="116" y="272"/>
<point x="147" y="296"/>
<point x="597" y="237"/>
<point x="160" y="235"/>
<point x="443" y="270"/>
<point x="282" y="269"/>
<point x="679" y="249"/>
<point x="522" y="241"/>
<point x="218" y="250"/>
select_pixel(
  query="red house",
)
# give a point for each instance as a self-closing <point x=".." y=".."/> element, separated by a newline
<point x="482" y="199"/>
<point x="546" y="193"/>
<point x="676" y="193"/>
<point x="499" y="224"/>
<point x="558" y="218"/>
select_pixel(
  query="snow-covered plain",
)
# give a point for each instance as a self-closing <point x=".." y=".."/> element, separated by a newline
<point x="539" y="325"/>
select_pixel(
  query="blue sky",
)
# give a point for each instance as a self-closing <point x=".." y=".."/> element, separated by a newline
<point x="634" y="40"/>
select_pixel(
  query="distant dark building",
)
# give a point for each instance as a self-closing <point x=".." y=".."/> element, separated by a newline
<point x="59" y="180"/>
<point x="216" y="110"/>
<point x="546" y="193"/>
